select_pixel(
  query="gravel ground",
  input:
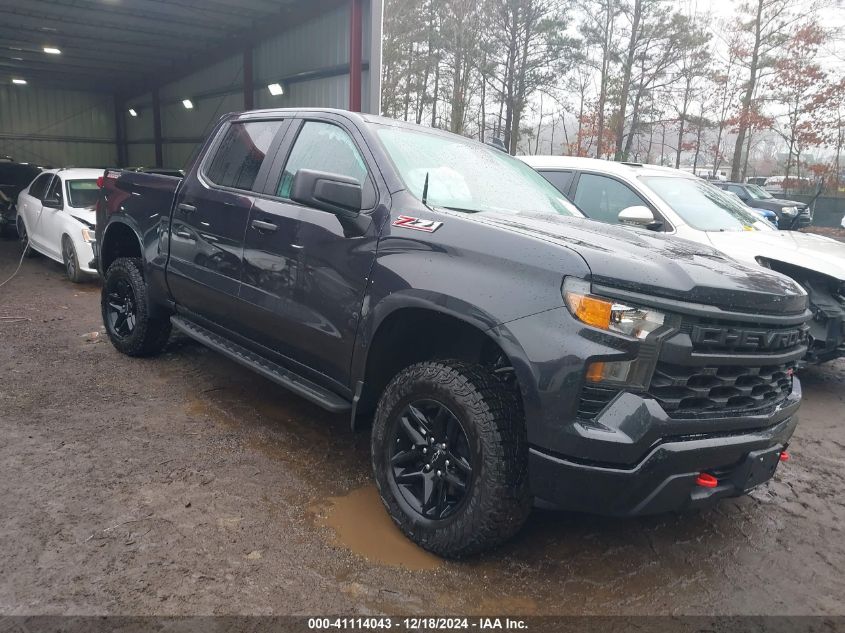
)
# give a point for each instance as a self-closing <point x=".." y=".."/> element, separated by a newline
<point x="187" y="485"/>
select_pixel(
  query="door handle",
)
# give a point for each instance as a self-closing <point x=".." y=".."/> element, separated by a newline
<point x="264" y="226"/>
<point x="187" y="208"/>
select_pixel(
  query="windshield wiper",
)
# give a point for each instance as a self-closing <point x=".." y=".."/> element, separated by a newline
<point x="462" y="210"/>
<point x="425" y="191"/>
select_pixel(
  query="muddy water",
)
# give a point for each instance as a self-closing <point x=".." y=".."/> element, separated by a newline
<point x="361" y="524"/>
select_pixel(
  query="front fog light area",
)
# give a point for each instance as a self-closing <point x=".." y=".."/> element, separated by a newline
<point x="615" y="372"/>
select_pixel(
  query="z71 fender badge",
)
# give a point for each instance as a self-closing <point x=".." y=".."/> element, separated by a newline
<point x="417" y="224"/>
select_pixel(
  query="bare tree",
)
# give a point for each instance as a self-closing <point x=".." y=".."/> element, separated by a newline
<point x="764" y="26"/>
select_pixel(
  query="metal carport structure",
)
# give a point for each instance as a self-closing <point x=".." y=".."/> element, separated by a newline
<point x="117" y="92"/>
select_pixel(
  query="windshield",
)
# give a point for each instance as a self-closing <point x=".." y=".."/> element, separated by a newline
<point x="703" y="206"/>
<point x="82" y="193"/>
<point x="467" y="176"/>
<point x="758" y="193"/>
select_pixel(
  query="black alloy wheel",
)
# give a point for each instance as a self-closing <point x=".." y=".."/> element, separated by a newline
<point x="131" y="325"/>
<point x="450" y="456"/>
<point x="121" y="313"/>
<point x="430" y="458"/>
<point x="71" y="260"/>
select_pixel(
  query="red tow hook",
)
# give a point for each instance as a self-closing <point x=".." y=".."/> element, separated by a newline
<point x="784" y="456"/>
<point x="706" y="480"/>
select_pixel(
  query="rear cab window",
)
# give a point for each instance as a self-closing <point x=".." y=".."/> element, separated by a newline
<point x="240" y="154"/>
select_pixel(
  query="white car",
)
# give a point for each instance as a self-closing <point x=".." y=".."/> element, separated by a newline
<point x="674" y="202"/>
<point x="56" y="217"/>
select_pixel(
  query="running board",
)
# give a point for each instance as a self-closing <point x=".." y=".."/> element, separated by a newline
<point x="278" y="374"/>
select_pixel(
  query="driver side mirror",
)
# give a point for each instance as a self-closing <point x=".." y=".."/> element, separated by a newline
<point x="334" y="193"/>
<point x="639" y="215"/>
<point x="52" y="203"/>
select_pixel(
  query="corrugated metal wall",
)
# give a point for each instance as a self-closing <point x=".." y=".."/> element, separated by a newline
<point x="60" y="127"/>
<point x="57" y="127"/>
<point x="320" y="45"/>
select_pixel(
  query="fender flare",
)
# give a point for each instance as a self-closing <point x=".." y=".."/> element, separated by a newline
<point x="447" y="305"/>
<point x="128" y="223"/>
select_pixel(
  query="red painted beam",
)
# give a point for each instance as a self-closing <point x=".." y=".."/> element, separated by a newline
<point x="356" y="37"/>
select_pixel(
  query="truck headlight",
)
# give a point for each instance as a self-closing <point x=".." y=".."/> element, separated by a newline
<point x="789" y="210"/>
<point x="607" y="314"/>
<point x="88" y="235"/>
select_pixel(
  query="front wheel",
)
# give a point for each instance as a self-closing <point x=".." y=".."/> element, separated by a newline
<point x="70" y="260"/>
<point x="450" y="457"/>
<point x="125" y="310"/>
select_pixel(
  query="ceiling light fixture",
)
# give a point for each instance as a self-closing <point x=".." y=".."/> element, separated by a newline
<point x="133" y="112"/>
<point x="51" y="50"/>
<point x="19" y="82"/>
<point x="276" y="89"/>
<point x="189" y="105"/>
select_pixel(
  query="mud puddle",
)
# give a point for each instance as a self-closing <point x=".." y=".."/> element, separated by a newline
<point x="361" y="524"/>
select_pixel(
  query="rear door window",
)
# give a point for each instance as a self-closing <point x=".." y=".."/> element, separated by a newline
<point x="329" y="148"/>
<point x="602" y="198"/>
<point x="560" y="179"/>
<point x="241" y="153"/>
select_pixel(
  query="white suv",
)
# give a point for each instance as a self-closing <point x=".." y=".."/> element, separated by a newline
<point x="56" y="217"/>
<point x="678" y="203"/>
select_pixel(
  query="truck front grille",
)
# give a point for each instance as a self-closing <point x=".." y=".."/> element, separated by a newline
<point x="689" y="392"/>
<point x="708" y="336"/>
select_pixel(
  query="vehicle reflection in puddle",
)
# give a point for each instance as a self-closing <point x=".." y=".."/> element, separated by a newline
<point x="361" y="524"/>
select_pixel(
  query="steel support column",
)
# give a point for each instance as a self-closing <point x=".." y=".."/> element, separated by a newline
<point x="356" y="37"/>
<point x="120" y="131"/>
<point x="157" y="128"/>
<point x="249" y="80"/>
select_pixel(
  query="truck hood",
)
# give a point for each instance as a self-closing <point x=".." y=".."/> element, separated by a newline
<point x="652" y="263"/>
<point x="812" y="252"/>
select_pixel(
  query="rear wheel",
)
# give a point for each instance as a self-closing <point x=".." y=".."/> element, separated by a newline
<point x="125" y="310"/>
<point x="24" y="238"/>
<point x="450" y="457"/>
<point x="71" y="260"/>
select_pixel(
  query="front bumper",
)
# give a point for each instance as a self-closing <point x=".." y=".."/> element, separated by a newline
<point x="661" y="479"/>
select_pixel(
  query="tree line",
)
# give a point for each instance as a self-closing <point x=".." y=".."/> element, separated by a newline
<point x="645" y="80"/>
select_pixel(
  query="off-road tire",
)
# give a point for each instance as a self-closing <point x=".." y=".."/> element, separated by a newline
<point x="71" y="260"/>
<point x="149" y="335"/>
<point x="498" y="501"/>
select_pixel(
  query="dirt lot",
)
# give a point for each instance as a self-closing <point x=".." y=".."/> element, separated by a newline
<point x="186" y="485"/>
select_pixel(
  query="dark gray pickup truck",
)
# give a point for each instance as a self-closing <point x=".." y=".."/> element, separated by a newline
<point x="505" y="349"/>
